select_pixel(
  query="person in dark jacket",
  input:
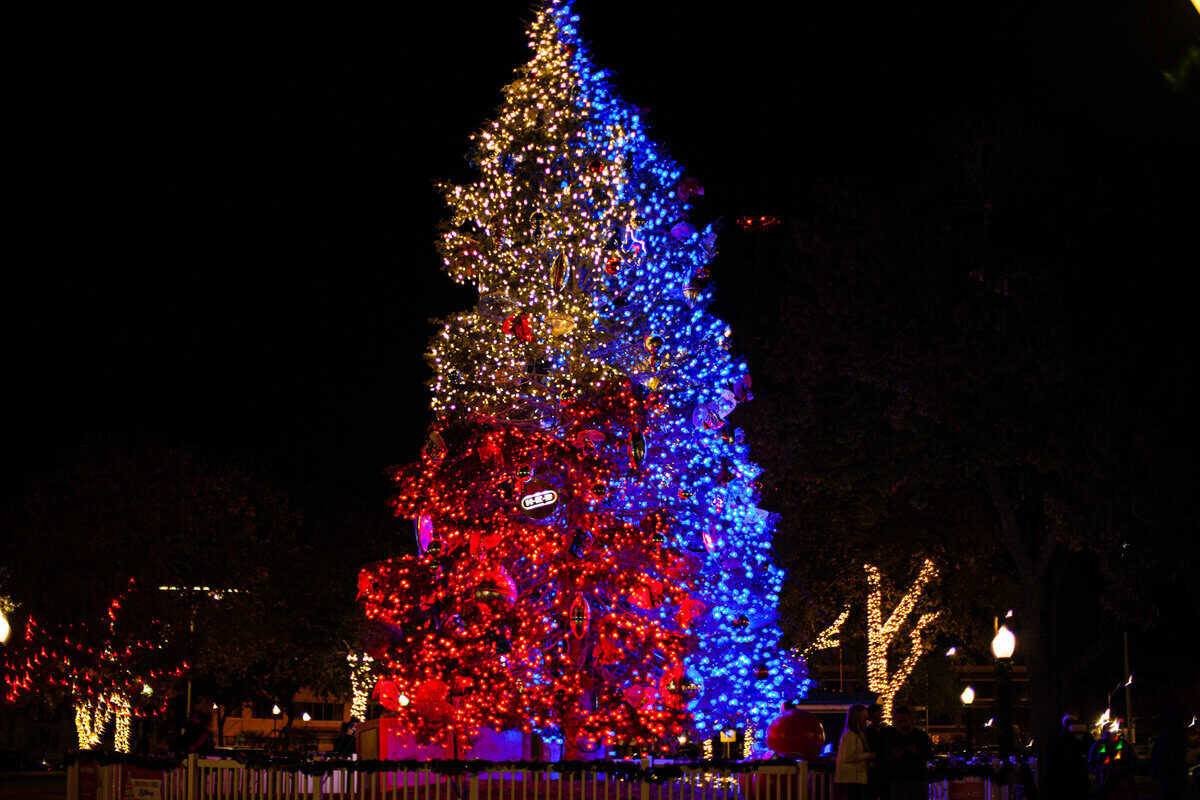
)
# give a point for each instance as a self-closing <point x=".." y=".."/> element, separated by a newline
<point x="905" y="755"/>
<point x="877" y="780"/>
<point x="344" y="745"/>
<point x="1068" y="758"/>
<point x="1168" y="760"/>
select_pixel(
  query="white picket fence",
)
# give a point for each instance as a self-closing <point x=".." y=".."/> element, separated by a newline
<point x="224" y="779"/>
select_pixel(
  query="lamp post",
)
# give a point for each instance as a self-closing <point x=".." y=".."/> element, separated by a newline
<point x="1003" y="645"/>
<point x="275" y="712"/>
<point x="968" y="698"/>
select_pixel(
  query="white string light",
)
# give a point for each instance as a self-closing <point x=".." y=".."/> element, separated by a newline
<point x="361" y="684"/>
<point x="827" y="639"/>
<point x="880" y="634"/>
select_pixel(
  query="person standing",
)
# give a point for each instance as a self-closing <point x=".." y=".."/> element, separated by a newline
<point x="854" y="756"/>
<point x="1114" y="764"/>
<point x="1168" y="761"/>
<point x="877" y="731"/>
<point x="904" y="759"/>
<point x="1069" y="760"/>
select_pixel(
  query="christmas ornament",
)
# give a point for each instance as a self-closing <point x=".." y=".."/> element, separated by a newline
<point x="741" y="389"/>
<point x="612" y="264"/>
<point x="647" y="595"/>
<point x="796" y="734"/>
<point x="518" y="325"/>
<point x="435" y="446"/>
<point x="429" y="700"/>
<point x="637" y="450"/>
<point x="496" y="586"/>
<point x="581" y="614"/>
<point x="589" y="438"/>
<point x="560" y="324"/>
<point x="724" y="404"/>
<point x="690" y="610"/>
<point x="705" y="418"/>
<point x="423" y="527"/>
<point x="538" y="499"/>
<point x="680" y="688"/>
<point x="559" y="272"/>
<point x="652" y="343"/>
<point x="682" y="231"/>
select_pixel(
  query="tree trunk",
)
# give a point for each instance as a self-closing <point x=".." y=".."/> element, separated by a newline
<point x="1039" y="661"/>
<point x="1032" y="547"/>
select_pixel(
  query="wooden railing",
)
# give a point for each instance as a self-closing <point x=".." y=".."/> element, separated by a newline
<point x="224" y="779"/>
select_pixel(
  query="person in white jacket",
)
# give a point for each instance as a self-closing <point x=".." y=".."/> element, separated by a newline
<point x="854" y="756"/>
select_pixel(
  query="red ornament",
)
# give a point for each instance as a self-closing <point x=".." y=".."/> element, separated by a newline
<point x="494" y="588"/>
<point x="429" y="700"/>
<point x="796" y="734"/>
<point x="581" y="614"/>
<point x="678" y="689"/>
<point x="518" y="325"/>
<point x="647" y="595"/>
<point x="387" y="694"/>
<point x="689" y="610"/>
<point x="612" y="265"/>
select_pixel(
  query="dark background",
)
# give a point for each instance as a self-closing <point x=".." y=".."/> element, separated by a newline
<point x="224" y="226"/>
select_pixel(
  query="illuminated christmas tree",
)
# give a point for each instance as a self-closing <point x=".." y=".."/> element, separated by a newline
<point x="592" y="287"/>
<point x="532" y="605"/>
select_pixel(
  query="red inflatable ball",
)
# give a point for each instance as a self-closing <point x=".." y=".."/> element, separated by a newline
<point x="796" y="734"/>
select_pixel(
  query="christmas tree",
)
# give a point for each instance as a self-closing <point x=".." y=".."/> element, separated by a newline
<point x="591" y="387"/>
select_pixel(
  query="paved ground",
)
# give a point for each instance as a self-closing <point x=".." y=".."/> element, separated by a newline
<point x="33" y="786"/>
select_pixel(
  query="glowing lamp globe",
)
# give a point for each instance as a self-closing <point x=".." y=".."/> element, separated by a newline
<point x="1004" y="643"/>
<point x="796" y="734"/>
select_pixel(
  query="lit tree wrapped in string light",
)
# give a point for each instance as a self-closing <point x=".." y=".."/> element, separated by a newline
<point x="110" y="673"/>
<point x="592" y="286"/>
<point x="881" y="634"/>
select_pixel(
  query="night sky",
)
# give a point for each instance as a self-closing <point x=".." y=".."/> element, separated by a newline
<point x="225" y="226"/>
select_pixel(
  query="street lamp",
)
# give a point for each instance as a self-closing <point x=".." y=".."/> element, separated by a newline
<point x="1004" y="643"/>
<point x="968" y="698"/>
<point x="275" y="712"/>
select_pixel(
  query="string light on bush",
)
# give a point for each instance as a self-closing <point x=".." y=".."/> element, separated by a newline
<point x="880" y="634"/>
<point x="104" y="667"/>
<point x="121" y="730"/>
<point x="91" y="719"/>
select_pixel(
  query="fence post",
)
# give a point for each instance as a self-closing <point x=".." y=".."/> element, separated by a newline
<point x="473" y="791"/>
<point x="801" y="780"/>
<point x="316" y="786"/>
<point x="645" y="788"/>
<point x="191" y="776"/>
<point x="73" y="780"/>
